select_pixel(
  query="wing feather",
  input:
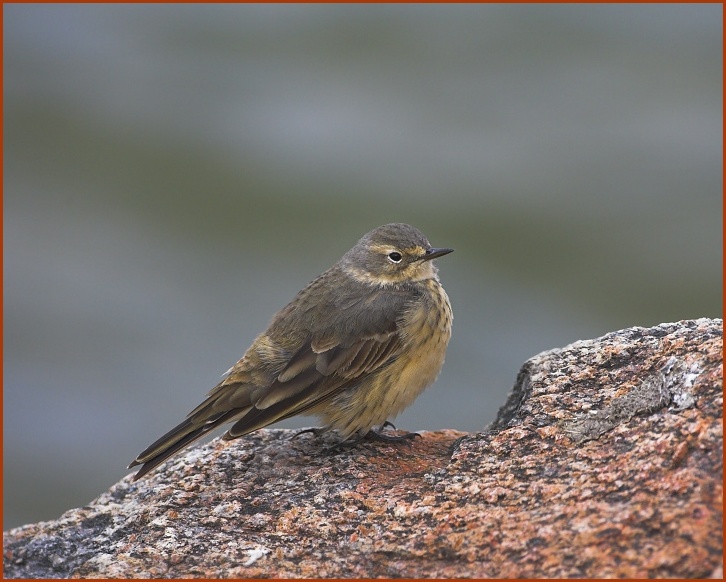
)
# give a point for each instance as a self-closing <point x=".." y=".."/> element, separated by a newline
<point x="268" y="384"/>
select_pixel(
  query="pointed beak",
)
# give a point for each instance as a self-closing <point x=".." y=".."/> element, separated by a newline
<point x="434" y="253"/>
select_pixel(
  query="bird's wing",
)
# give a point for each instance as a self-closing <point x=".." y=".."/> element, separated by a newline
<point x="270" y="383"/>
<point x="311" y="377"/>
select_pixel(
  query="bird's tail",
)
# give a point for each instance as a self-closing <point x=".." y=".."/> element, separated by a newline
<point x="176" y="439"/>
<point x="211" y="414"/>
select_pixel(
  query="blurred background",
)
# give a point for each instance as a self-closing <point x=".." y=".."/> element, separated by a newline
<point x="173" y="174"/>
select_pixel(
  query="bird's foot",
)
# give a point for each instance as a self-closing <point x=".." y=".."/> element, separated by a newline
<point x="371" y="435"/>
<point x="379" y="435"/>
<point x="317" y="431"/>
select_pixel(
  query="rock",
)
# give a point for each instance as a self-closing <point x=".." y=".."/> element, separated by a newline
<point x="605" y="461"/>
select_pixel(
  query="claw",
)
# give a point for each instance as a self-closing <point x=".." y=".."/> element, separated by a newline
<point x="371" y="435"/>
<point x="316" y="431"/>
<point x="378" y="435"/>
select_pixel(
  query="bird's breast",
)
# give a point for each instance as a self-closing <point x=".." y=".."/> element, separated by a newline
<point x="425" y="328"/>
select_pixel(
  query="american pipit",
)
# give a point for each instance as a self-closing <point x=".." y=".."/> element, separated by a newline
<point x="355" y="347"/>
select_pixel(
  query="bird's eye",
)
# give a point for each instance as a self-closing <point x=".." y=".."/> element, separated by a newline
<point x="395" y="257"/>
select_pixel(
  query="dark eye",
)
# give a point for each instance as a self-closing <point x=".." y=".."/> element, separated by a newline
<point x="395" y="257"/>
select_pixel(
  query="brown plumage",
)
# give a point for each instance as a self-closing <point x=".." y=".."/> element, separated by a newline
<point x="355" y="347"/>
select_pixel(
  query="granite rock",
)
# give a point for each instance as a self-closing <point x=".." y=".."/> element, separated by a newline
<point x="605" y="461"/>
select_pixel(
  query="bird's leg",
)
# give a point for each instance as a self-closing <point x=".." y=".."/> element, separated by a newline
<point x="317" y="431"/>
<point x="347" y="444"/>
<point x="371" y="435"/>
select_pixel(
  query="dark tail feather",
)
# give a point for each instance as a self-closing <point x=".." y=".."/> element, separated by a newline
<point x="247" y="419"/>
<point x="176" y="439"/>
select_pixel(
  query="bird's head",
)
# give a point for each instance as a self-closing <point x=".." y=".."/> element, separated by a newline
<point x="392" y="253"/>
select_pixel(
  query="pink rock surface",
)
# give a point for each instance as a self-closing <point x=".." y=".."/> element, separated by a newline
<point x="606" y="461"/>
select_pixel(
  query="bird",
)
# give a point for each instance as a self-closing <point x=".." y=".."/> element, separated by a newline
<point x="354" y="347"/>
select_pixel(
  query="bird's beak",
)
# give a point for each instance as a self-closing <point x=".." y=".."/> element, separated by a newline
<point x="433" y="253"/>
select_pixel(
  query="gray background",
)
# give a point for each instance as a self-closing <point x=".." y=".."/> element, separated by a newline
<point x="174" y="174"/>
